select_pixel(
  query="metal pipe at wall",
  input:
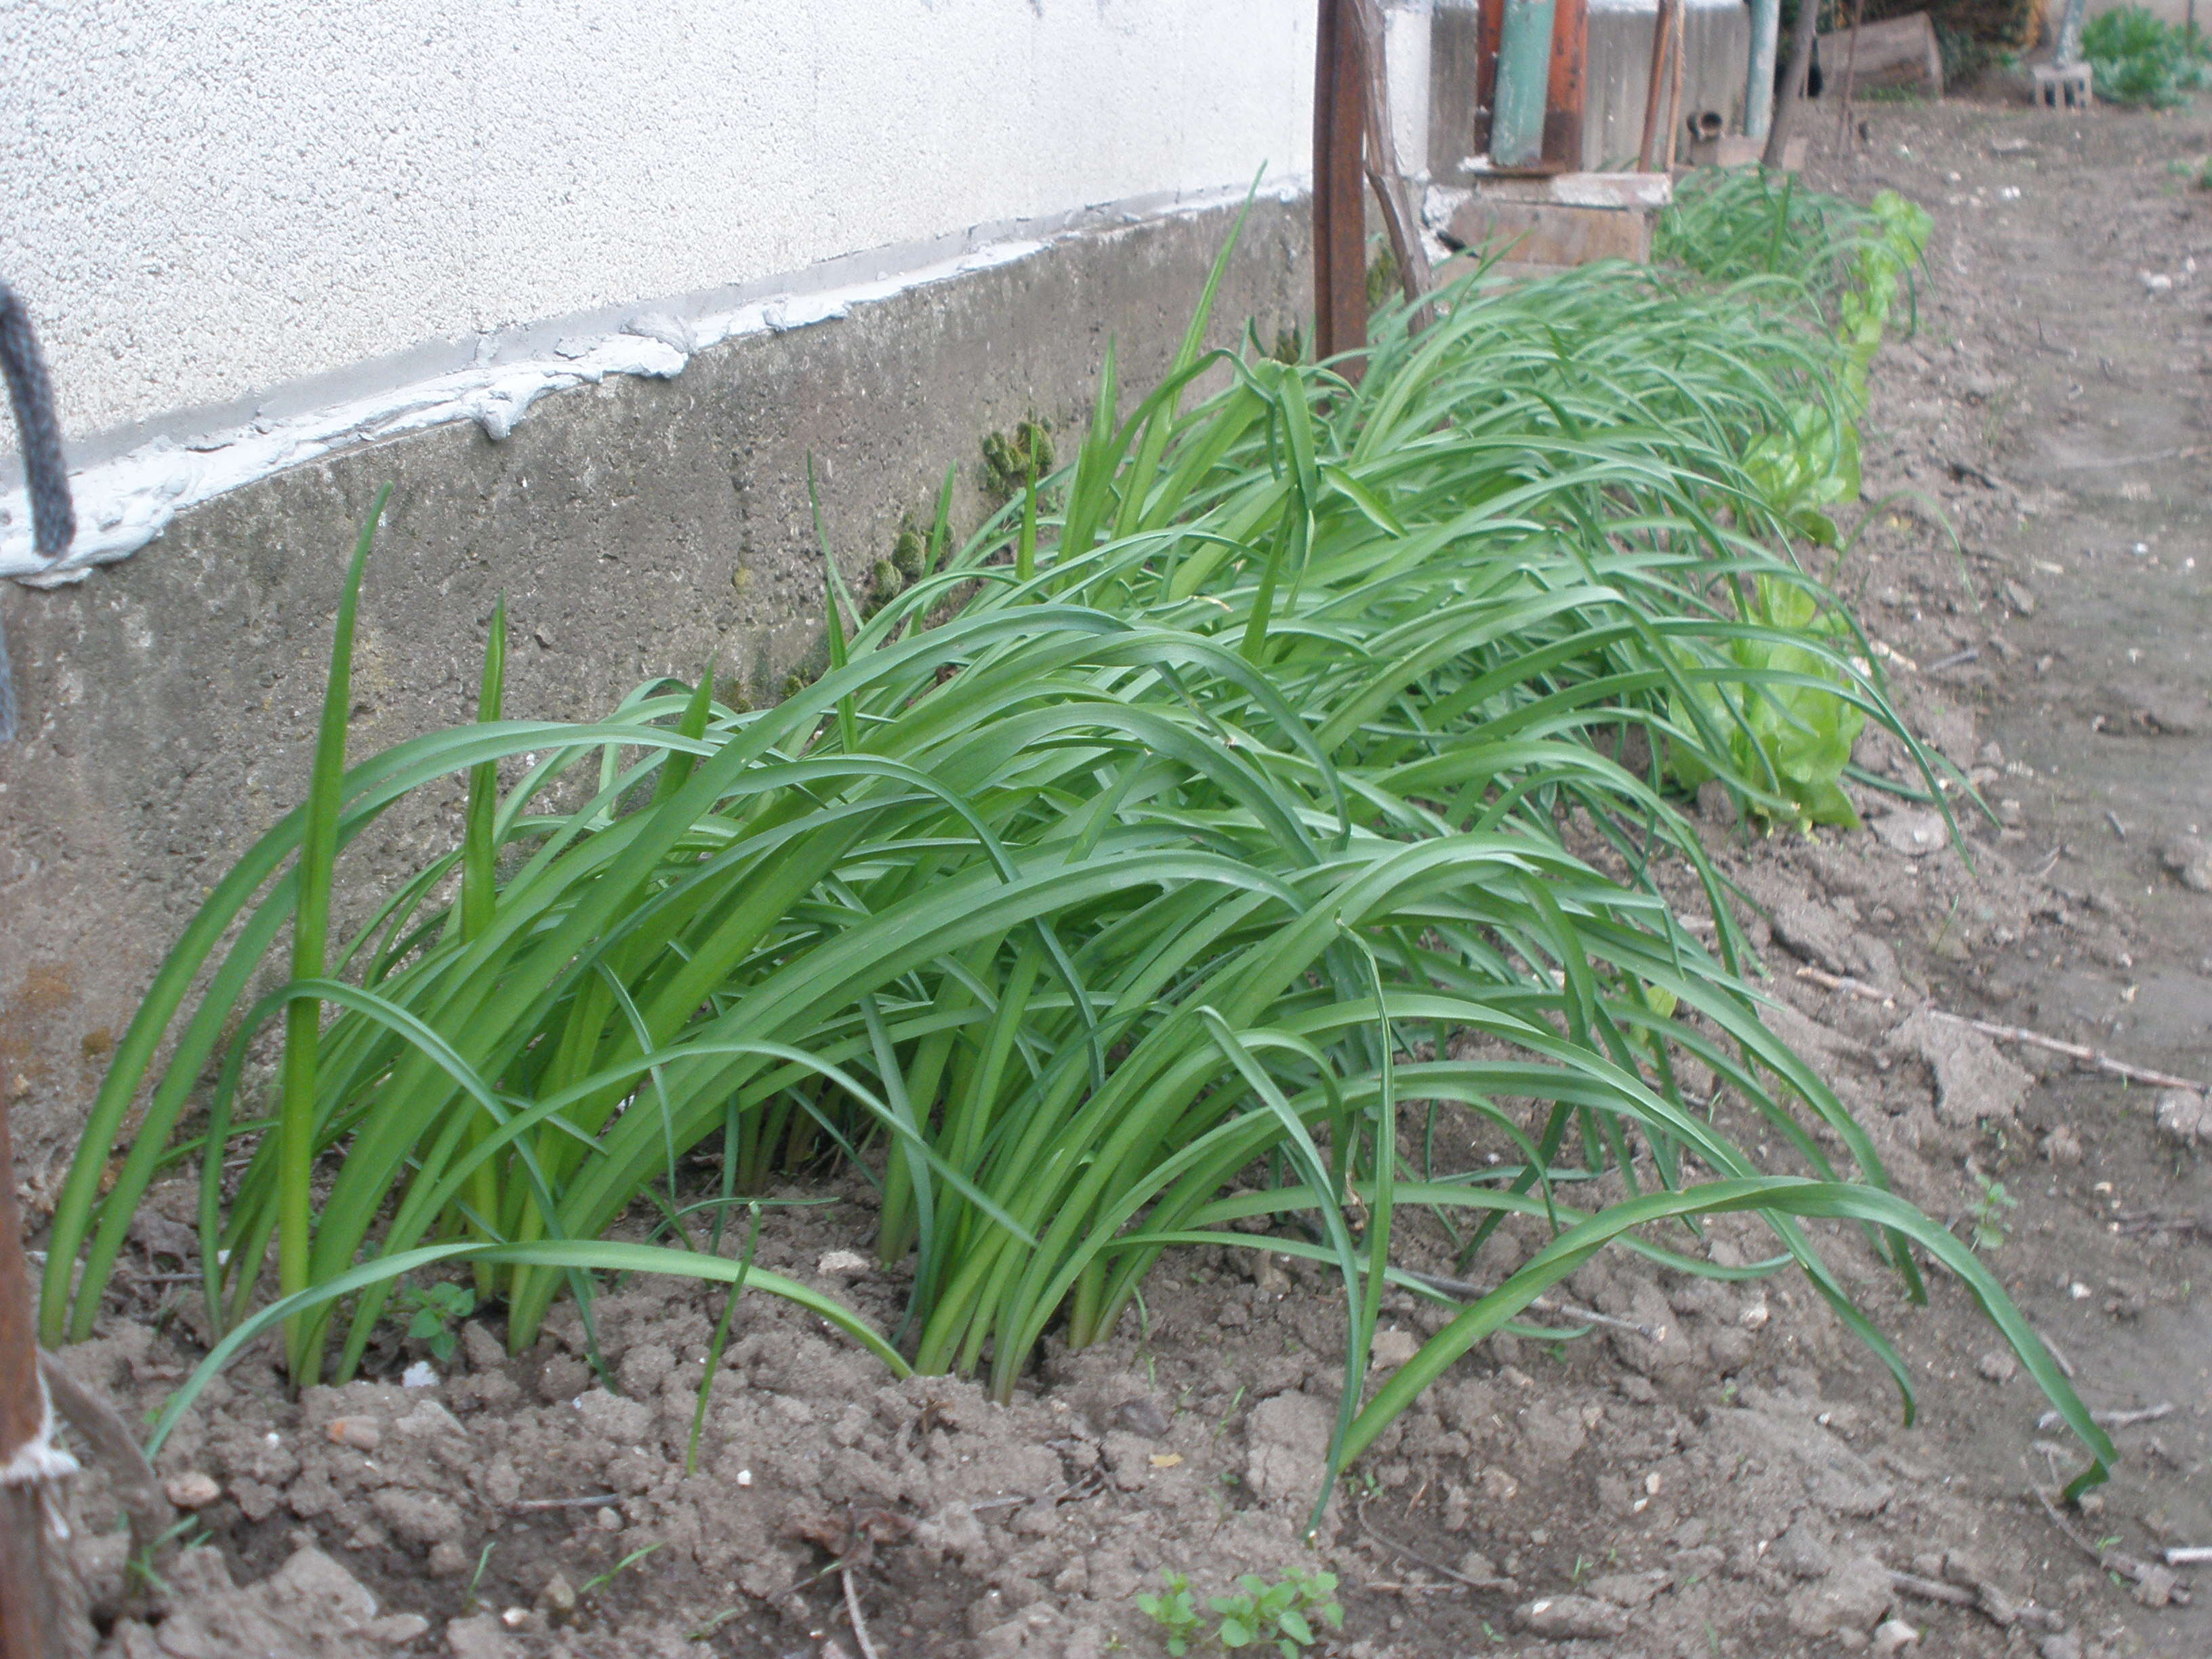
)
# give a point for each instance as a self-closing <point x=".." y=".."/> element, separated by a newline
<point x="1759" y="80"/>
<point x="1524" y="62"/>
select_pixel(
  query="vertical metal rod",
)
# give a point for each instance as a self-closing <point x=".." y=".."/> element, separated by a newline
<point x="1339" y="252"/>
<point x="1759" y="79"/>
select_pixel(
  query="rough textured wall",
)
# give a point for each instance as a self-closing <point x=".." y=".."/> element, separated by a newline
<point x="206" y="201"/>
<point x="639" y="527"/>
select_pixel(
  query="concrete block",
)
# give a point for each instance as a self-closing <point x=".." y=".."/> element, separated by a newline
<point x="1733" y="149"/>
<point x="2067" y="86"/>
<point x="1552" y="233"/>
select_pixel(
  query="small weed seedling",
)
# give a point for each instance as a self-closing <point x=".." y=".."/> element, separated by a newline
<point x="1282" y="1613"/>
<point x="437" y="1309"/>
<point x="1988" y="1214"/>
<point x="591" y="1586"/>
<point x="1175" y="1613"/>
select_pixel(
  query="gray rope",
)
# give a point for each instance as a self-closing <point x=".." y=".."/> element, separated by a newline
<point x="53" y="518"/>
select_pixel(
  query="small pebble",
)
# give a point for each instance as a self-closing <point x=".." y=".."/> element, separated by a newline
<point x="609" y="1521"/>
<point x="1893" y="1634"/>
<point x="841" y="1264"/>
<point x="1997" y="1365"/>
<point x="192" y="1490"/>
<point x="361" y="1433"/>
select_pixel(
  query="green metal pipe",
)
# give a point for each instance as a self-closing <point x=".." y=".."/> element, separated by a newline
<point x="1524" y="76"/>
<point x="1758" y="82"/>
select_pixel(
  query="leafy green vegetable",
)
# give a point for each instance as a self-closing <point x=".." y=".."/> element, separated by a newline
<point x="2137" y="58"/>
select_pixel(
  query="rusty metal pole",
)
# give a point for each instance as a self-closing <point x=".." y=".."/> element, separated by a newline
<point x="1340" y="215"/>
<point x="1567" y="95"/>
<point x="41" y="1604"/>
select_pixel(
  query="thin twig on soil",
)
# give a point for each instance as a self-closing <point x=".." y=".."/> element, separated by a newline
<point x="2001" y="1608"/>
<point x="1504" y="1586"/>
<point x="130" y="1476"/>
<point x="2129" y="460"/>
<point x="2156" y="1580"/>
<point x="2119" y="829"/>
<point x="2095" y="1058"/>
<point x="585" y="1502"/>
<point x="1472" y="1293"/>
<point x="1956" y="660"/>
<point x="853" y="1611"/>
<point x="2113" y="1419"/>
<point x="2189" y="1555"/>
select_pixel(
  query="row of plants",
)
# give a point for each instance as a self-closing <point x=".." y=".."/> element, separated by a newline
<point x="1126" y="877"/>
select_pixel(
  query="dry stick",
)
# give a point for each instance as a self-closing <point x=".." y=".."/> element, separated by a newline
<point x="1851" y="74"/>
<point x="1661" y="32"/>
<point x="1389" y="184"/>
<point x="2113" y="1419"/>
<point x="129" y="1475"/>
<point x="853" y="1611"/>
<point x="601" y="1497"/>
<point x="1674" y="93"/>
<point x="2190" y="1555"/>
<point x="1793" y="93"/>
<point x="2129" y="460"/>
<point x="2002" y="1609"/>
<point x="1470" y="1292"/>
<point x="2093" y="1057"/>
<point x="1506" y="1586"/>
<point x="42" y="1602"/>
<point x="2127" y="1566"/>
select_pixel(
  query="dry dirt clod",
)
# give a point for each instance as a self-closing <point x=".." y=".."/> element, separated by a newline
<point x="2184" y="1116"/>
<point x="1571" y="1618"/>
<point x="1997" y="1365"/>
<point x="1916" y="834"/>
<point x="2190" y="859"/>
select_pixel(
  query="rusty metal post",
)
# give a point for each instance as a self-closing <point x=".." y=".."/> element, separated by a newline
<point x="1567" y="95"/>
<point x="1340" y="215"/>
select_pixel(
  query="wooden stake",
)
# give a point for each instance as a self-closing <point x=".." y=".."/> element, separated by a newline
<point x="42" y="1607"/>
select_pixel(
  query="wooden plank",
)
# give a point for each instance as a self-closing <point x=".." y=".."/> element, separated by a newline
<point x="1552" y="233"/>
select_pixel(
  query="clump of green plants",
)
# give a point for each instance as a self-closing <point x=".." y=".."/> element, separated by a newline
<point x="1284" y="1612"/>
<point x="1011" y="463"/>
<point x="1240" y="762"/>
<point x="2137" y="58"/>
<point x="1851" y="266"/>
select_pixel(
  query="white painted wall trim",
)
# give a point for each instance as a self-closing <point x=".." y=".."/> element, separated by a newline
<point x="125" y="500"/>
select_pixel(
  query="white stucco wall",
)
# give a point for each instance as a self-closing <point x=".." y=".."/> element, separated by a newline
<point x="203" y="202"/>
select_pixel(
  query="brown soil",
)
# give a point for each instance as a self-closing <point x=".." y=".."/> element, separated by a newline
<point x="1740" y="1486"/>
